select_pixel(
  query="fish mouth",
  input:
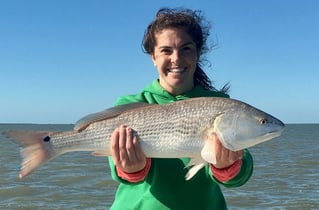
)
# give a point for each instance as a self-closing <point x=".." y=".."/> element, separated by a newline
<point x="235" y="146"/>
<point x="271" y="135"/>
<point x="264" y="138"/>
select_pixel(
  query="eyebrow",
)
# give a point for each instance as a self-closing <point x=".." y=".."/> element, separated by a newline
<point x="183" y="45"/>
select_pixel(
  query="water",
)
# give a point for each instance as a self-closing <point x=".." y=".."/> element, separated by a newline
<point x="285" y="176"/>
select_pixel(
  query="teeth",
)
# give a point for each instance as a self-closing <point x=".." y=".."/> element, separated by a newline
<point x="177" y="70"/>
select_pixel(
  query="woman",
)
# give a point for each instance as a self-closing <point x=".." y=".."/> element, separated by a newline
<point x="175" y="41"/>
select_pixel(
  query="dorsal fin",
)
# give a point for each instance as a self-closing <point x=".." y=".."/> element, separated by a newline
<point x="106" y="114"/>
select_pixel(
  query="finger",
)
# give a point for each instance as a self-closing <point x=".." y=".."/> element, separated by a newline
<point x="129" y="145"/>
<point x="240" y="154"/>
<point x="218" y="148"/>
<point x="233" y="156"/>
<point x="138" y="150"/>
<point x="229" y="155"/>
<point x="115" y="146"/>
<point x="122" y="144"/>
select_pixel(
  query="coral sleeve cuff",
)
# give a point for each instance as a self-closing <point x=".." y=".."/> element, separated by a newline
<point x="137" y="176"/>
<point x="226" y="174"/>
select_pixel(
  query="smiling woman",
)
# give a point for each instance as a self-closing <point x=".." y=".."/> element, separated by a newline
<point x="176" y="43"/>
<point x="196" y="31"/>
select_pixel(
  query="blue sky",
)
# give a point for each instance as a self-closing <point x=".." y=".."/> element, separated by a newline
<point x="63" y="59"/>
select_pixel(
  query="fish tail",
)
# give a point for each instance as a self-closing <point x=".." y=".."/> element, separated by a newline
<point x="35" y="149"/>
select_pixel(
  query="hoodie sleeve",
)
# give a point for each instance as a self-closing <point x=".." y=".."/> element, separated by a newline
<point x="244" y="174"/>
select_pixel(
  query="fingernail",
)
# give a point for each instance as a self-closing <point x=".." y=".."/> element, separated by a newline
<point x="134" y="133"/>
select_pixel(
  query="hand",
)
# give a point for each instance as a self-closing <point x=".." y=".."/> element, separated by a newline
<point x="224" y="156"/>
<point x="126" y="151"/>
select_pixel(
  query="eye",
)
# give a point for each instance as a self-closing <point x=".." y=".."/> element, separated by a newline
<point x="47" y="139"/>
<point x="263" y="121"/>
<point x="166" y="51"/>
<point x="186" y="48"/>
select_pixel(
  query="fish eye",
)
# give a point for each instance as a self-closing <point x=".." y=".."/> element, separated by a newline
<point x="47" y="139"/>
<point x="263" y="121"/>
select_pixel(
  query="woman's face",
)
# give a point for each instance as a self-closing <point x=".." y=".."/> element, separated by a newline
<point x="175" y="56"/>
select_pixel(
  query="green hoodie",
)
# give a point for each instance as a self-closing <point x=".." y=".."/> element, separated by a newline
<point x="165" y="186"/>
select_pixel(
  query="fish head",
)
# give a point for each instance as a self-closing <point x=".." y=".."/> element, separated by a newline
<point x="243" y="126"/>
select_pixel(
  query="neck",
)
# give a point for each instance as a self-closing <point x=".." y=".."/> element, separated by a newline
<point x="178" y="90"/>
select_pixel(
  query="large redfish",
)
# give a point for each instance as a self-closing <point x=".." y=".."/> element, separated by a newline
<point x="173" y="130"/>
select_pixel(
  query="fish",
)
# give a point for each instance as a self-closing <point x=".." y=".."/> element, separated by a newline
<point x="179" y="129"/>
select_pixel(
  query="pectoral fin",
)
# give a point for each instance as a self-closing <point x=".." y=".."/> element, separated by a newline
<point x="195" y="165"/>
<point x="208" y="151"/>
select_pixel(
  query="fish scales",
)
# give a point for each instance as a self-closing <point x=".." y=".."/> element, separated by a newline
<point x="162" y="131"/>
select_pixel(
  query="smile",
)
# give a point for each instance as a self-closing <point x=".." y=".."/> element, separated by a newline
<point x="177" y="70"/>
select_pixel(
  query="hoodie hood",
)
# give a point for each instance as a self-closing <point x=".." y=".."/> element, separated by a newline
<point x="159" y="95"/>
<point x="154" y="93"/>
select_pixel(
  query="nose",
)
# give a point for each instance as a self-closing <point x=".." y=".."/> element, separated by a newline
<point x="175" y="56"/>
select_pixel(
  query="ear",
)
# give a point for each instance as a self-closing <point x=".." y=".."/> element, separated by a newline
<point x="153" y="58"/>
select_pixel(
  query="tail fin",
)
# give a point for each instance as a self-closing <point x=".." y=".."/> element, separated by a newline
<point x="35" y="150"/>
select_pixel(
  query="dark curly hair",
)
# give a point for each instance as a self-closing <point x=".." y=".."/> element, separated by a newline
<point x="193" y="22"/>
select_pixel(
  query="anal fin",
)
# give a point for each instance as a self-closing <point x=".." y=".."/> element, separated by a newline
<point x="100" y="153"/>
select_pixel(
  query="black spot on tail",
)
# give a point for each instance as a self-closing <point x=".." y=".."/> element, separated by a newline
<point x="47" y="139"/>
